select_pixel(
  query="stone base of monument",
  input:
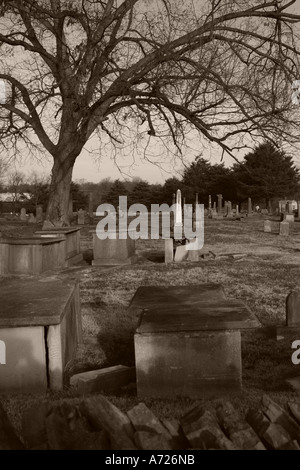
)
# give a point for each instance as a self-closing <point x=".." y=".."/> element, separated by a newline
<point x="72" y="245"/>
<point x="31" y="255"/>
<point x="188" y="341"/>
<point x="40" y="326"/>
<point x="113" y="252"/>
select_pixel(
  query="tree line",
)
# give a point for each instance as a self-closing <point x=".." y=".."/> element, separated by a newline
<point x="265" y="173"/>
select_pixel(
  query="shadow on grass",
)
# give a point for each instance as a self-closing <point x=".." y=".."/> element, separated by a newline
<point x="266" y="363"/>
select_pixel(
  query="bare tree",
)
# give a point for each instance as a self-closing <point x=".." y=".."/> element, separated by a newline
<point x="153" y="68"/>
<point x="15" y="185"/>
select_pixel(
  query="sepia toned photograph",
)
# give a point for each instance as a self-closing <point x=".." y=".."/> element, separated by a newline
<point x="149" y="227"/>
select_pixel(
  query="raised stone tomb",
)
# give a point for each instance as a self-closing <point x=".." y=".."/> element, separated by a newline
<point x="31" y="255"/>
<point x="40" y="325"/>
<point x="110" y="252"/>
<point x="72" y="246"/>
<point x="188" y="341"/>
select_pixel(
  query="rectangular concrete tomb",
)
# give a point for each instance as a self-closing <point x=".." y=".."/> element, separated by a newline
<point x="113" y="251"/>
<point x="72" y="247"/>
<point x="31" y="255"/>
<point x="188" y="341"/>
<point x="40" y="327"/>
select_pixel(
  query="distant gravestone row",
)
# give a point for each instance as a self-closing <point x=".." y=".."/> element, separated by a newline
<point x="284" y="227"/>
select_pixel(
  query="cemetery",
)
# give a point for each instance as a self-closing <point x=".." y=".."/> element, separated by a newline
<point x="140" y="334"/>
<point x="122" y="322"/>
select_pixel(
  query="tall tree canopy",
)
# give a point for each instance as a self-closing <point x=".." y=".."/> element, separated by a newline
<point x="206" y="179"/>
<point x="266" y="173"/>
<point x="151" y="68"/>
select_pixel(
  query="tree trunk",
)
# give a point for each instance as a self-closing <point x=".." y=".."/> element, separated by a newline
<point x="58" y="205"/>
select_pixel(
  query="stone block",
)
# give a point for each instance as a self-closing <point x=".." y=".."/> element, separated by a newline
<point x="181" y="254"/>
<point x="112" y="252"/>
<point x="31" y="255"/>
<point x="293" y="309"/>
<point x="187" y="344"/>
<point x="187" y="364"/>
<point x="267" y="226"/>
<point x="290" y="218"/>
<point x="203" y="432"/>
<point x="25" y="370"/>
<point x="103" y="415"/>
<point x="72" y="246"/>
<point x="40" y="325"/>
<point x="284" y="228"/>
<point x="107" y="379"/>
<point x="169" y="250"/>
<point x="81" y="217"/>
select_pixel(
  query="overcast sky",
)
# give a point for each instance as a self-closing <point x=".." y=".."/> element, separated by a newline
<point x="94" y="169"/>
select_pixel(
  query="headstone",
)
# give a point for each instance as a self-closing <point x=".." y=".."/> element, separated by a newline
<point x="267" y="226"/>
<point x="81" y="217"/>
<point x="23" y="216"/>
<point x="209" y="206"/>
<point x="290" y="218"/>
<point x="181" y="253"/>
<point x="220" y="197"/>
<point x="178" y="215"/>
<point x="290" y="207"/>
<point x="237" y="210"/>
<point x="293" y="309"/>
<point x="91" y="203"/>
<point x="32" y="219"/>
<point x="249" y="207"/>
<point x="169" y="250"/>
<point x="47" y="225"/>
<point x="229" y="209"/>
<point x="39" y="214"/>
<point x="284" y="228"/>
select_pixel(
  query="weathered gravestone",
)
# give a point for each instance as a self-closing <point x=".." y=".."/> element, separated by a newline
<point x="284" y="228"/>
<point x="39" y="214"/>
<point x="249" y="207"/>
<point x="293" y="309"/>
<point x="267" y="226"/>
<point x="32" y="219"/>
<point x="169" y="250"/>
<point x="117" y="249"/>
<point x="290" y="218"/>
<point x="23" y="216"/>
<point x="81" y="217"/>
<point x="220" y="198"/>
<point x="229" y="209"/>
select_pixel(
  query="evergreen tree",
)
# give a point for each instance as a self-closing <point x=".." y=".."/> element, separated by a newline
<point x="267" y="172"/>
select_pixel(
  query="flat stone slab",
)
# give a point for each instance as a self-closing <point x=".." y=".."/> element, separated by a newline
<point x="190" y="308"/>
<point x="32" y="302"/>
<point x="30" y="241"/>
<point x="155" y="296"/>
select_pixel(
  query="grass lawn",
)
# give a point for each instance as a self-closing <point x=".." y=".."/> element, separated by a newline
<point x="262" y="279"/>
